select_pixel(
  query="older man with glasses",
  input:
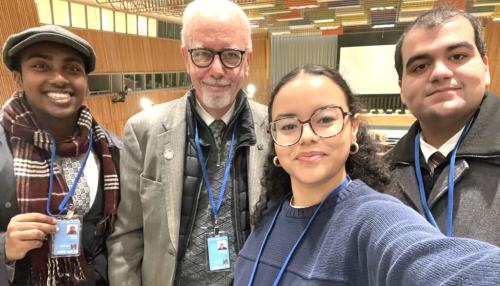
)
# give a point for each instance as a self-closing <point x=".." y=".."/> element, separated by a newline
<point x="192" y="167"/>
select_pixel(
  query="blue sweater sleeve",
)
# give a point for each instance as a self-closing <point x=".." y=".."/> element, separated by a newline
<point x="397" y="246"/>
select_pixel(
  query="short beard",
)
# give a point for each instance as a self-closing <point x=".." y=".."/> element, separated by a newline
<point x="216" y="100"/>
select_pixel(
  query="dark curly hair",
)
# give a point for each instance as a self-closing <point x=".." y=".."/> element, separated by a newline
<point x="364" y="165"/>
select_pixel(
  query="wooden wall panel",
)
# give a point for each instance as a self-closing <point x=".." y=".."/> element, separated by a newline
<point x="117" y="52"/>
<point x="492" y="38"/>
<point x="259" y="68"/>
<point x="113" y="116"/>
<point x="15" y="16"/>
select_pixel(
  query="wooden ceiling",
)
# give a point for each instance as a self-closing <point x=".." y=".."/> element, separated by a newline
<point x="318" y="16"/>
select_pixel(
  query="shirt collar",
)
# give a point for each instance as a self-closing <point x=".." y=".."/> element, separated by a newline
<point x="208" y="119"/>
<point x="445" y="149"/>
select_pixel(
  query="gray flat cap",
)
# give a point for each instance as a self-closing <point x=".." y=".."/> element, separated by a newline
<point x="48" y="33"/>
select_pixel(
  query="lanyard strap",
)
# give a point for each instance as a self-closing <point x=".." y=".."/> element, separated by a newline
<point x="64" y="202"/>
<point x="344" y="184"/>
<point x="451" y="183"/>
<point x="215" y="208"/>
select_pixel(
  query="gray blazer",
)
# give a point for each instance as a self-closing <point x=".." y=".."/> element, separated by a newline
<point x="143" y="247"/>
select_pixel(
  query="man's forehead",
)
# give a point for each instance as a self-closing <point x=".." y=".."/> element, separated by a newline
<point x="51" y="49"/>
<point x="456" y="30"/>
<point x="457" y="24"/>
<point x="228" y="28"/>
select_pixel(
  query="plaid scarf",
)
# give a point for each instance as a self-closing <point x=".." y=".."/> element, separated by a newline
<point x="30" y="148"/>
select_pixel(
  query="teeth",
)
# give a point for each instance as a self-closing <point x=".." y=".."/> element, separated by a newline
<point x="57" y="95"/>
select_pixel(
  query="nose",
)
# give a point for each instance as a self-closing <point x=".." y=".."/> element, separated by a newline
<point x="216" y="67"/>
<point x="308" y="134"/>
<point x="440" y="71"/>
<point x="59" y="78"/>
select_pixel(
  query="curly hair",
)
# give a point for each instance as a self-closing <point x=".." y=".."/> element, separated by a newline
<point x="364" y="165"/>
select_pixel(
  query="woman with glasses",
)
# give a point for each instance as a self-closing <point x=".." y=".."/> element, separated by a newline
<point x="320" y="220"/>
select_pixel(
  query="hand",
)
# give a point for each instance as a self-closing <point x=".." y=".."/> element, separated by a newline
<point x="26" y="232"/>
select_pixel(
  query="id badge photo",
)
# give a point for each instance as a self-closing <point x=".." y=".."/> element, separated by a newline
<point x="67" y="239"/>
<point x="218" y="258"/>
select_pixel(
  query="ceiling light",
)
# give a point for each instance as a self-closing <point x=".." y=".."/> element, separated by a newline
<point x="289" y="19"/>
<point x="303" y="7"/>
<point x="257" y="6"/>
<point x="383" y="26"/>
<point x="323" y="21"/>
<point x="280" y="33"/>
<point x="274" y="11"/>
<point x="328" y="28"/>
<point x="382" y="8"/>
<point x="302" y="27"/>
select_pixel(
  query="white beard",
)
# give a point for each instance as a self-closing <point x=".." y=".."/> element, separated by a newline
<point x="216" y="100"/>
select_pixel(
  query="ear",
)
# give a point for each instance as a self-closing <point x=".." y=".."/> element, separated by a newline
<point x="185" y="57"/>
<point x="18" y="78"/>
<point x="487" y="78"/>
<point x="400" y="83"/>
<point x="248" y="59"/>
<point x="355" y="121"/>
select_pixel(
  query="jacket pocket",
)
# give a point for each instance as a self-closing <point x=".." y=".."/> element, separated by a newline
<point x="159" y="253"/>
<point x="153" y="201"/>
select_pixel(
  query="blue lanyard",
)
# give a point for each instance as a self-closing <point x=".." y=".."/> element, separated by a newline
<point x="64" y="202"/>
<point x="451" y="184"/>
<point x="344" y="184"/>
<point x="215" y="208"/>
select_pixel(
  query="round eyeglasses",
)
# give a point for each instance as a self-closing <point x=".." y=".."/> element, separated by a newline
<point x="326" y="121"/>
<point x="230" y="58"/>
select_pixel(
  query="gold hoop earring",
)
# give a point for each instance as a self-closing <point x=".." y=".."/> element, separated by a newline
<point x="276" y="162"/>
<point x="354" y="148"/>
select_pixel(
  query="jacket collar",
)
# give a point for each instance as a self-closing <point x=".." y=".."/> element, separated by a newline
<point x="481" y="140"/>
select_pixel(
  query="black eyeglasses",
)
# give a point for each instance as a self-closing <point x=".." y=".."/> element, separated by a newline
<point x="230" y="58"/>
<point x="326" y="121"/>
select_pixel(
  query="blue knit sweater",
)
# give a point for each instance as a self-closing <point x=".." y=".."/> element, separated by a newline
<point x="362" y="237"/>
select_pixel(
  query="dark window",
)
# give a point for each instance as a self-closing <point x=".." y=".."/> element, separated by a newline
<point x="99" y="84"/>
<point x="158" y="80"/>
<point x="150" y="81"/>
<point x="140" y="82"/>
<point x="162" y="29"/>
<point x="128" y="82"/>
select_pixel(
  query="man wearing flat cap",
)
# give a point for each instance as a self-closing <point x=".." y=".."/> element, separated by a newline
<point x="58" y="166"/>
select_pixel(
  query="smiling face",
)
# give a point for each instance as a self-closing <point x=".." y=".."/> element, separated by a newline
<point x="444" y="76"/>
<point x="217" y="86"/>
<point x="313" y="163"/>
<point x="54" y="82"/>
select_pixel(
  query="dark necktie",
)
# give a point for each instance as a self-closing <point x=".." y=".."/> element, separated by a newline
<point x="217" y="128"/>
<point x="436" y="159"/>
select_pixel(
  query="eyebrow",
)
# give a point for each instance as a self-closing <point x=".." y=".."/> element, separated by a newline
<point x="212" y="50"/>
<point x="424" y="56"/>
<point x="68" y="59"/>
<point x="285" y="115"/>
<point x="35" y="55"/>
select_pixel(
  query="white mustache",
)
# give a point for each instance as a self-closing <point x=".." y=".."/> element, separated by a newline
<point x="221" y="82"/>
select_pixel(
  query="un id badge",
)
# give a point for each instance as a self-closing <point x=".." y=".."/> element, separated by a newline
<point x="218" y="252"/>
<point x="66" y="241"/>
